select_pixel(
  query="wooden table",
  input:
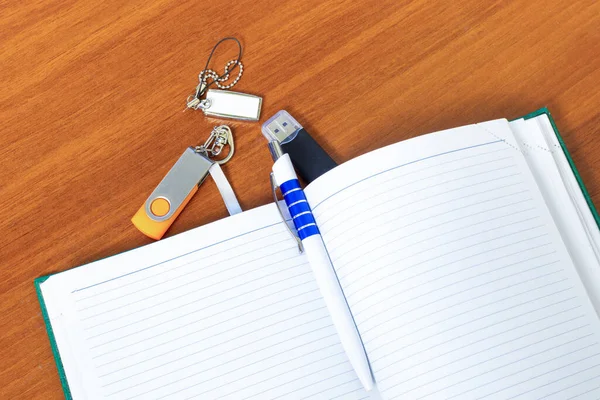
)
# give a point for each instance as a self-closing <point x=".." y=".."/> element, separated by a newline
<point x="93" y="92"/>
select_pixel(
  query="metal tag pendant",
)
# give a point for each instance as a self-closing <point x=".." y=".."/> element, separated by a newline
<point x="235" y="105"/>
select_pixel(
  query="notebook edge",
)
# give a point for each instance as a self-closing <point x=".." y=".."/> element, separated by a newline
<point x="57" y="359"/>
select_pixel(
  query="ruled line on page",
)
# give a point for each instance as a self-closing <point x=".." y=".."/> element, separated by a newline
<point x="391" y="189"/>
<point x="381" y="186"/>
<point x="166" y="270"/>
<point x="352" y="380"/>
<point x="377" y="259"/>
<point x="565" y="388"/>
<point x="345" y="394"/>
<point x="479" y="364"/>
<point x="459" y="208"/>
<point x="545" y="373"/>
<point x="303" y="387"/>
<point x="447" y="296"/>
<point x="262" y="371"/>
<point x="322" y="380"/>
<point x="343" y="255"/>
<point x="178" y="297"/>
<point x="511" y="244"/>
<point x="386" y="184"/>
<point x="195" y="374"/>
<point x="303" y="273"/>
<point x="290" y="328"/>
<point x="343" y="384"/>
<point x="513" y="317"/>
<point x="453" y="316"/>
<point x="512" y="351"/>
<point x="404" y="357"/>
<point x="390" y="221"/>
<point x="397" y="173"/>
<point x="201" y="289"/>
<point x="193" y="301"/>
<point x="357" y="390"/>
<point x="174" y="319"/>
<point x="572" y="386"/>
<point x="383" y="243"/>
<point x="579" y="394"/>
<point x="196" y="362"/>
<point x="204" y="328"/>
<point x="191" y="273"/>
<point x="458" y="271"/>
<point x="276" y="376"/>
<point x="518" y="338"/>
<point x="98" y="304"/>
<point x="405" y="164"/>
<point x="200" y="341"/>
<point x="384" y="204"/>
<point x="514" y="373"/>
<point x="172" y="259"/>
<point x="477" y="244"/>
<point x="376" y="209"/>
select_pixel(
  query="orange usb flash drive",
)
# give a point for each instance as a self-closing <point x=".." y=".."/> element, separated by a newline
<point x="172" y="194"/>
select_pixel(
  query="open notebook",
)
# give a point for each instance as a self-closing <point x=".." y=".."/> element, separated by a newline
<point x="469" y="259"/>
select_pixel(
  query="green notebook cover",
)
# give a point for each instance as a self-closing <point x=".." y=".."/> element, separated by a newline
<point x="40" y="280"/>
<point x="59" y="365"/>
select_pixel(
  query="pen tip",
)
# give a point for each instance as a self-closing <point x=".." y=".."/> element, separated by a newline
<point x="367" y="381"/>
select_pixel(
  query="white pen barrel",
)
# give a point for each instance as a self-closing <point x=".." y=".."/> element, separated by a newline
<point x="325" y="275"/>
<point x="338" y="308"/>
<point x="284" y="170"/>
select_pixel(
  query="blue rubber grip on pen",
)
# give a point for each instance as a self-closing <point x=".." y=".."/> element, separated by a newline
<point x="302" y="215"/>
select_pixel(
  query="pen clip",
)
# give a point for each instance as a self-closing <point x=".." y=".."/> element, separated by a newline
<point x="274" y="187"/>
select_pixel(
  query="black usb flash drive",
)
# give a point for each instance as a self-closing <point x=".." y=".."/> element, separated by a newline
<point x="309" y="159"/>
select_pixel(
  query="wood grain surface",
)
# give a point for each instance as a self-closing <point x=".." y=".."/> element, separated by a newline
<point x="93" y="91"/>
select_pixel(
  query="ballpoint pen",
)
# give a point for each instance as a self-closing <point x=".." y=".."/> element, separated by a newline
<point x="310" y="241"/>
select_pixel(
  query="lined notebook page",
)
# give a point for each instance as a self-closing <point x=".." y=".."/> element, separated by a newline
<point x="226" y="311"/>
<point x="455" y="273"/>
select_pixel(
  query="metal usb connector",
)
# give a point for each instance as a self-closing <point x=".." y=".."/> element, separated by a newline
<point x="309" y="159"/>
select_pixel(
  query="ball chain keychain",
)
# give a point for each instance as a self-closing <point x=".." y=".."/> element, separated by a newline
<point x="183" y="179"/>
<point x="194" y="102"/>
<point x="224" y="103"/>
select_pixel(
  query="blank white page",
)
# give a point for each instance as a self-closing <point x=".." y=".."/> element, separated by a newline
<point x="229" y="310"/>
<point x="455" y="272"/>
<point x="570" y="182"/>
<point x="540" y="156"/>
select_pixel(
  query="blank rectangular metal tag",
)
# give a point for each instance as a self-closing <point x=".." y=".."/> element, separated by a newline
<point x="228" y="104"/>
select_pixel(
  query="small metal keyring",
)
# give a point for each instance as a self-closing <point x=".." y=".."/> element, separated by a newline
<point x="206" y="149"/>
<point x="230" y="143"/>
